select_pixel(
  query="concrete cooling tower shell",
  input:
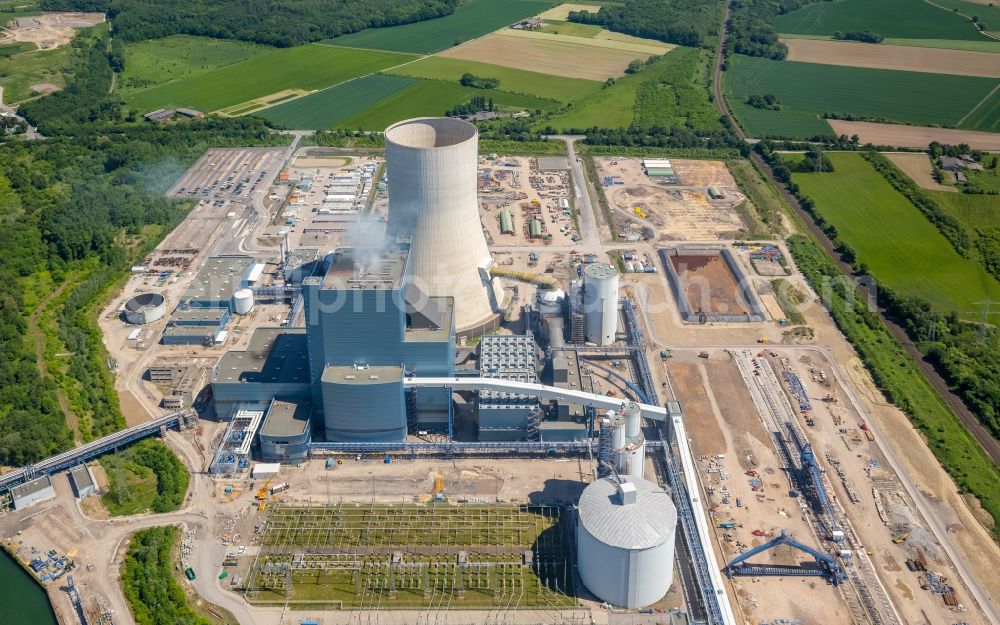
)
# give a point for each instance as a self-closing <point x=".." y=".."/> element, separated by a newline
<point x="145" y="308"/>
<point x="625" y="541"/>
<point x="432" y="165"/>
<point x="600" y="303"/>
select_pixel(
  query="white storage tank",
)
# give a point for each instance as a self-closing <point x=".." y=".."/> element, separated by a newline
<point x="243" y="301"/>
<point x="600" y="303"/>
<point x="629" y="267"/>
<point x="550" y="301"/>
<point x="145" y="308"/>
<point x="625" y="541"/>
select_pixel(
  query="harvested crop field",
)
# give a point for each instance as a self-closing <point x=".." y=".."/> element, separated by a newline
<point x="561" y="12"/>
<point x="906" y="58"/>
<point x="914" y="136"/>
<point x="559" y="58"/>
<point x="918" y="167"/>
<point x="709" y="285"/>
<point x="626" y="43"/>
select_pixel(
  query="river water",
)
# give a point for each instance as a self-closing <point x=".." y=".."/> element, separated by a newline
<point x="23" y="600"/>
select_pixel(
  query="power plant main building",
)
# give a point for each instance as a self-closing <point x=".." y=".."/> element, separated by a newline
<point x="387" y="308"/>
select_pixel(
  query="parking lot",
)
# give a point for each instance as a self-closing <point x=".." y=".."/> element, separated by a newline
<point x="228" y="173"/>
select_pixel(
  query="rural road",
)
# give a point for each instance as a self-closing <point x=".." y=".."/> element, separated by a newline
<point x="591" y="242"/>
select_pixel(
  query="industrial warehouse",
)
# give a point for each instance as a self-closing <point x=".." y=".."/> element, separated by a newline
<point x="403" y="402"/>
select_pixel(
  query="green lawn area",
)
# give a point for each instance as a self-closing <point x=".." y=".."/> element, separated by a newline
<point x="470" y="20"/>
<point x="899" y="245"/>
<point x="807" y="90"/>
<point x="307" y="67"/>
<point x="144" y="477"/>
<point x="20" y="71"/>
<point x="158" y="61"/>
<point x="511" y="80"/>
<point x="907" y="19"/>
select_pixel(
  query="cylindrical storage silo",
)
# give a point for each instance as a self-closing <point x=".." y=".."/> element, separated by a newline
<point x="145" y="308"/>
<point x="600" y="303"/>
<point x="432" y="166"/>
<point x="634" y="457"/>
<point x="632" y="414"/>
<point x="616" y="423"/>
<point x="625" y="541"/>
<point x="243" y="301"/>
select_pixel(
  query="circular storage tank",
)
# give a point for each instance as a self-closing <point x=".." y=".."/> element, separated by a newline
<point x="243" y="301"/>
<point x="550" y="301"/>
<point x="145" y="308"/>
<point x="625" y="541"/>
<point x="600" y="303"/>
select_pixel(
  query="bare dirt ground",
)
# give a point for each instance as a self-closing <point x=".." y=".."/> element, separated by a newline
<point x="51" y="30"/>
<point x="678" y="212"/>
<point x="557" y="58"/>
<point x="44" y="88"/>
<point x="698" y="414"/>
<point x="919" y="168"/>
<point x="905" y="58"/>
<point x="709" y="284"/>
<point x="529" y="190"/>
<point x="914" y="136"/>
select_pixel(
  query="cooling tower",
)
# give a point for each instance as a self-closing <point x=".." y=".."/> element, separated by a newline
<point x="432" y="166"/>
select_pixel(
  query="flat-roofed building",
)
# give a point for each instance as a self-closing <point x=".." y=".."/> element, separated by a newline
<point x="275" y="364"/>
<point x="82" y="481"/>
<point x="505" y="416"/>
<point x="35" y="491"/>
<point x="286" y="433"/>
<point x="219" y="278"/>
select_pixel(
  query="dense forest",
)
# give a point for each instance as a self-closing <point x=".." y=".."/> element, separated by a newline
<point x="684" y="22"/>
<point x="79" y="208"/>
<point x="148" y="580"/>
<point x="280" y="23"/>
<point x="751" y="27"/>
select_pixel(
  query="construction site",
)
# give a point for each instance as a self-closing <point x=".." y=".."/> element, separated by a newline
<point x="428" y="386"/>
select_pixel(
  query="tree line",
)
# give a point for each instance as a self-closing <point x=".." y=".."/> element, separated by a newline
<point x="281" y="23"/>
<point x="751" y="27"/>
<point x="683" y="22"/>
<point x="83" y="203"/>
<point x="153" y="594"/>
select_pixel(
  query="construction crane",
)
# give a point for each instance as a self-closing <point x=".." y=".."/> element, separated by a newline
<point x="262" y="494"/>
<point x="825" y="566"/>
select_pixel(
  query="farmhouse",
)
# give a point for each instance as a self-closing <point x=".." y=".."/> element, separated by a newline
<point x="952" y="163"/>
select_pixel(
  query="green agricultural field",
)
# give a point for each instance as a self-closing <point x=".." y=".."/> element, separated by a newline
<point x="158" y="61"/>
<point x="974" y="211"/>
<point x="808" y="90"/>
<point x="374" y="102"/>
<point x="556" y="27"/>
<point x="307" y="67"/>
<point x="670" y="92"/>
<point x="331" y="106"/>
<point x="511" y="80"/>
<point x="977" y="45"/>
<point x="907" y="19"/>
<point x="900" y="246"/>
<point x="986" y="115"/>
<point x="20" y="71"/>
<point x="471" y="20"/>
<point x="434" y="97"/>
